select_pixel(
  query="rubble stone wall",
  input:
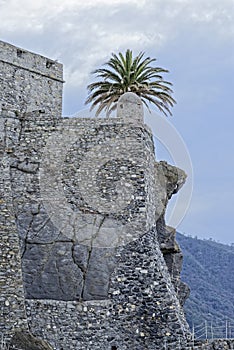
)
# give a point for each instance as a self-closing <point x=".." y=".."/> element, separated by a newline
<point x="29" y="82"/>
<point x="12" y="305"/>
<point x="100" y="278"/>
<point x="86" y="259"/>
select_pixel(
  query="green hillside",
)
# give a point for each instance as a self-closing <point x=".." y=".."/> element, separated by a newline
<point x="209" y="271"/>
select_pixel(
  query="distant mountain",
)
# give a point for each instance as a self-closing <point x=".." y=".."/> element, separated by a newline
<point x="208" y="269"/>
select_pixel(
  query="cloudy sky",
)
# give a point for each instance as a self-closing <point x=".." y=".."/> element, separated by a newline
<point x="194" y="39"/>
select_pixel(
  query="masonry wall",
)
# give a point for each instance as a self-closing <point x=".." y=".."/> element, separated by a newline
<point x="29" y="82"/>
<point x="141" y="311"/>
<point x="85" y="285"/>
<point x="82" y="220"/>
<point x="12" y="302"/>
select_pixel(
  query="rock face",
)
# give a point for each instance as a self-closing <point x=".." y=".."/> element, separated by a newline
<point x="22" y="340"/>
<point x="172" y="180"/>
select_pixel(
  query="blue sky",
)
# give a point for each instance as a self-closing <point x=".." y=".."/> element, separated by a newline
<point x="193" y="39"/>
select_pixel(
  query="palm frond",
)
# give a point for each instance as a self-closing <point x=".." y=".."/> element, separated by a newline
<point x="123" y="73"/>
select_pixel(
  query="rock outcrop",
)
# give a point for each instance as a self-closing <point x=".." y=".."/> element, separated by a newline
<point x="22" y="340"/>
<point x="172" y="179"/>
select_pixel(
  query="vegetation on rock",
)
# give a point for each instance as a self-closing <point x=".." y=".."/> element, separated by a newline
<point x="208" y="270"/>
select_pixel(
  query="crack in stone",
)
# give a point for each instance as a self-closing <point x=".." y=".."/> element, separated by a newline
<point x="74" y="259"/>
<point x="85" y="272"/>
<point x="98" y="230"/>
<point x="82" y="269"/>
<point x="90" y="253"/>
<point x="26" y="237"/>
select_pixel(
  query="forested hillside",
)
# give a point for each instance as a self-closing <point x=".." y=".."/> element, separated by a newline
<point x="209" y="271"/>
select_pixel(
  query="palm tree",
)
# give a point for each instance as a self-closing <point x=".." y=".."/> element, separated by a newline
<point x="128" y="73"/>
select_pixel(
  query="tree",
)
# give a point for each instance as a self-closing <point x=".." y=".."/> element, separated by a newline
<point x="127" y="73"/>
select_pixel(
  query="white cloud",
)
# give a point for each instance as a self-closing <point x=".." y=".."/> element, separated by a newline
<point x="83" y="34"/>
<point x="100" y="26"/>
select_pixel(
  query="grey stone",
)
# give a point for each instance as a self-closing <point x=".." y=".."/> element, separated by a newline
<point x="27" y="83"/>
<point x="51" y="273"/>
<point x="100" y="268"/>
<point x="22" y="340"/>
<point x="27" y="166"/>
<point x="81" y="254"/>
<point x="130" y="108"/>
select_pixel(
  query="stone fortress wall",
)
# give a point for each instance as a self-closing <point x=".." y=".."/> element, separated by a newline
<point x="29" y="82"/>
<point x="12" y="314"/>
<point x="87" y="261"/>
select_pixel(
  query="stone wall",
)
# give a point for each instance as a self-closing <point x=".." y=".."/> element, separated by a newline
<point x="51" y="256"/>
<point x="29" y="82"/>
<point x="103" y="280"/>
<point x="87" y="260"/>
<point x="217" y="344"/>
<point x="141" y="310"/>
<point x="12" y="305"/>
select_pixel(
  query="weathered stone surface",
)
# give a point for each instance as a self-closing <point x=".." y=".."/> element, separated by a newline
<point x="88" y="200"/>
<point x="218" y="344"/>
<point x="173" y="177"/>
<point x="29" y="82"/>
<point x="141" y="309"/>
<point x="168" y="180"/>
<point x="56" y="266"/>
<point x="173" y="257"/>
<point x="34" y="225"/>
<point x="12" y="307"/>
<point x="100" y="267"/>
<point x="51" y="273"/>
<point x="40" y="238"/>
<point x="171" y="180"/>
<point x="130" y="108"/>
<point x="22" y="340"/>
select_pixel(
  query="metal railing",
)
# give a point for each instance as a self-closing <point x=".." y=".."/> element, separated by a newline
<point x="214" y="330"/>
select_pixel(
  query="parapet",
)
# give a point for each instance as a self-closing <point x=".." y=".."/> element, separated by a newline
<point x="29" y="82"/>
<point x="30" y="61"/>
